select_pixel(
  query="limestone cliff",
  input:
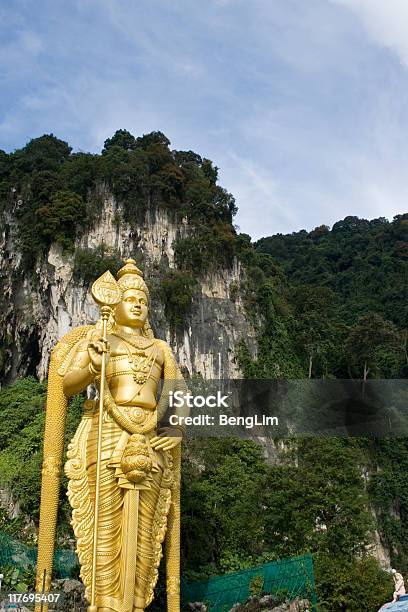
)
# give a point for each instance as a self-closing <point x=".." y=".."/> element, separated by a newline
<point x="39" y="308"/>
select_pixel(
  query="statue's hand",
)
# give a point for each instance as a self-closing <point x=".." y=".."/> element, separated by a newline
<point x="96" y="348"/>
<point x="168" y="438"/>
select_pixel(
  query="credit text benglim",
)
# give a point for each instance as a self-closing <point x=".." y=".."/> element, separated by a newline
<point x="179" y="398"/>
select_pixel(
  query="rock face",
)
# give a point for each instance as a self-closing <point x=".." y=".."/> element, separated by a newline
<point x="378" y="550"/>
<point x="7" y="502"/>
<point x="268" y="603"/>
<point x="39" y="309"/>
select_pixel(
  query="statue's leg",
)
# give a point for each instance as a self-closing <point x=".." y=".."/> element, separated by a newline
<point x="109" y="532"/>
<point x="110" y="516"/>
<point x="146" y="559"/>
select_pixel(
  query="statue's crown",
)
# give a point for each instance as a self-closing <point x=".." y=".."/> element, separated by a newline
<point x="130" y="277"/>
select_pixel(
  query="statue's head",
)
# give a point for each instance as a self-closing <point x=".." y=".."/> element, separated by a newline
<point x="133" y="310"/>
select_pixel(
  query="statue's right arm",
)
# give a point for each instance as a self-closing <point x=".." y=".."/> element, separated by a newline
<point x="85" y="365"/>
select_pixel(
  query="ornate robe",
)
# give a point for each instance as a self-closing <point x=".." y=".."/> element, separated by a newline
<point x="133" y="516"/>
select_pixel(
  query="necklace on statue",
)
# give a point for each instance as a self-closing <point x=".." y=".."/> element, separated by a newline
<point x="141" y="367"/>
<point x="141" y="361"/>
<point x="136" y="340"/>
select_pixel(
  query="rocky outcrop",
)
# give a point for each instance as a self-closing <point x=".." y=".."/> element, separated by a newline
<point x="39" y="308"/>
<point x="264" y="603"/>
<point x="379" y="550"/>
<point x="11" y="507"/>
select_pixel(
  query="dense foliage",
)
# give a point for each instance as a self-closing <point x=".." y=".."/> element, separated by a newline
<point x="176" y="292"/>
<point x="365" y="263"/>
<point x="338" y="297"/>
<point x="389" y="493"/>
<point x="21" y="438"/>
<point x="89" y="264"/>
<point x="54" y="193"/>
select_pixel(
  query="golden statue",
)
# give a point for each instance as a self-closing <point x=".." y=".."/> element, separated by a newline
<point x="121" y="460"/>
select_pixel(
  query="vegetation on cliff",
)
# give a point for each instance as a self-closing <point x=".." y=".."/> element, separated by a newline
<point x="54" y="193"/>
<point x="364" y="263"/>
<point x="340" y="294"/>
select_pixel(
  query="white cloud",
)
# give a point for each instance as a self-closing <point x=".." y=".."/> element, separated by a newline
<point x="262" y="209"/>
<point x="30" y="42"/>
<point x="386" y="21"/>
<point x="21" y="52"/>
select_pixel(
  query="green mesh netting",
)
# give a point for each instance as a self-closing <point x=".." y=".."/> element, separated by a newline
<point x="293" y="577"/>
<point x="22" y="556"/>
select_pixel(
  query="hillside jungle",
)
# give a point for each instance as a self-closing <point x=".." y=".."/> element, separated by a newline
<point x="330" y="303"/>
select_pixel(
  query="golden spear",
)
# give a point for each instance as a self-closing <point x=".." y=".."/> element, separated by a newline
<point x="106" y="293"/>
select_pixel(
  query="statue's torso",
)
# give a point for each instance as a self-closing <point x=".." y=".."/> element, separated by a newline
<point x="134" y="370"/>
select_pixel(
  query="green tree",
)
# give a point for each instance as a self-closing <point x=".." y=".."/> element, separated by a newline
<point x="325" y="505"/>
<point x="89" y="264"/>
<point x="317" y="325"/>
<point x="374" y="346"/>
<point x="59" y="218"/>
<point x="177" y="290"/>
<point x="44" y="153"/>
<point x="153" y="139"/>
<point x="350" y="584"/>
<point x="79" y="174"/>
<point x="122" y="139"/>
<point x="222" y="517"/>
<point x="364" y="262"/>
<point x="21" y="441"/>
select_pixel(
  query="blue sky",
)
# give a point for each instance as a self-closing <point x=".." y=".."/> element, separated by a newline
<point x="303" y="104"/>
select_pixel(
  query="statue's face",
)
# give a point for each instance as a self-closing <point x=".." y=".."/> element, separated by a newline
<point x="132" y="310"/>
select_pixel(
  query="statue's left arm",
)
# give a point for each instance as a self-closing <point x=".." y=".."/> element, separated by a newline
<point x="169" y="437"/>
